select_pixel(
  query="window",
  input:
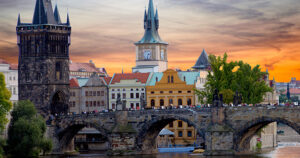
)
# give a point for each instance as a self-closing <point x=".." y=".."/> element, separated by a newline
<point x="132" y="105"/>
<point x="179" y="101"/>
<point x="152" y="103"/>
<point x="179" y="133"/>
<point x="143" y="95"/>
<point x="94" y="93"/>
<point x="102" y="103"/>
<point x="189" y="133"/>
<point x="137" y="89"/>
<point x="98" y="103"/>
<point x="10" y="78"/>
<point x="102" y="93"/>
<point x="161" y="92"/>
<point x="189" y="125"/>
<point x="131" y="89"/>
<point x="118" y="90"/>
<point x="131" y="95"/>
<point x="152" y="92"/>
<point x="113" y="106"/>
<point x="137" y="95"/>
<point x="179" y="123"/>
<point x="58" y="69"/>
<point x="86" y="104"/>
<point x="113" y="90"/>
<point x="189" y="101"/>
<point x="172" y="79"/>
<point x="142" y="89"/>
<point x="90" y="93"/>
<point x="170" y="101"/>
<point x="86" y="93"/>
<point x="170" y="92"/>
<point x="113" y="96"/>
<point x="179" y="91"/>
<point x="98" y="93"/>
<point x="138" y="106"/>
<point x="168" y="79"/>
<point x="124" y="89"/>
<point x="91" y="103"/>
<point x="171" y="124"/>
<point x="124" y="95"/>
<point x="189" y="91"/>
<point x="161" y="102"/>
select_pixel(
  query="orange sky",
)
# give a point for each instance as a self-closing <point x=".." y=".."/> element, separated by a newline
<point x="264" y="32"/>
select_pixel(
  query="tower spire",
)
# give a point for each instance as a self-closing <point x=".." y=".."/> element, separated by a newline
<point x="57" y="15"/>
<point x="43" y="13"/>
<point x="145" y="19"/>
<point x="19" y="20"/>
<point x="156" y="20"/>
<point x="68" y="19"/>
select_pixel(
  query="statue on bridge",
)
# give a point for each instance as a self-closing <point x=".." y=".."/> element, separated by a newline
<point x="121" y="104"/>
<point x="237" y="99"/>
<point x="143" y="102"/>
<point x="217" y="99"/>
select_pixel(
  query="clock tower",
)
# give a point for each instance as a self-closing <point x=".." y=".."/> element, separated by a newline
<point x="151" y="50"/>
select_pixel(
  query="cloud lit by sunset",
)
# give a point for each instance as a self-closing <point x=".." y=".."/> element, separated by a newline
<point x="264" y="32"/>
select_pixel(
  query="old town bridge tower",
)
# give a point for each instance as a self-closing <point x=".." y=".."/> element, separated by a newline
<point x="44" y="59"/>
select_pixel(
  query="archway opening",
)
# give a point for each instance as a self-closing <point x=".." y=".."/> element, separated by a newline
<point x="171" y="135"/>
<point x="266" y="134"/>
<point x="84" y="138"/>
<point x="58" y="103"/>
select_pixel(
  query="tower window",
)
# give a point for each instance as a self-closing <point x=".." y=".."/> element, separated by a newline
<point x="172" y="79"/>
<point x="168" y="79"/>
<point x="58" y="69"/>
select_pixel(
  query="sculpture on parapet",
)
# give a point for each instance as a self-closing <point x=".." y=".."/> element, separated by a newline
<point x="237" y="99"/>
<point x="217" y="99"/>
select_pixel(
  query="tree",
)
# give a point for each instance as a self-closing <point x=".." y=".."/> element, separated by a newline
<point x="5" y="103"/>
<point x="229" y="77"/>
<point x="26" y="132"/>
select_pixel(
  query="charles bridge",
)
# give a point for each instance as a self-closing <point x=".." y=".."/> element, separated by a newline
<point x="225" y="130"/>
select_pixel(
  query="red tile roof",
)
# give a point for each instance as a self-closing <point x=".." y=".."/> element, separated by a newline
<point x="74" y="83"/>
<point x="140" y="77"/>
<point x="3" y="61"/>
<point x="87" y="67"/>
<point x="107" y="80"/>
<point x="293" y="91"/>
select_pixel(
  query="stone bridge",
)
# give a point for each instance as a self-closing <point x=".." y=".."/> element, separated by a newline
<point x="225" y="131"/>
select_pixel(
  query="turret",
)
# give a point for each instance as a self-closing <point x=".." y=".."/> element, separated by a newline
<point x="56" y="15"/>
<point x="156" y="20"/>
<point x="19" y="20"/>
<point x="68" y="20"/>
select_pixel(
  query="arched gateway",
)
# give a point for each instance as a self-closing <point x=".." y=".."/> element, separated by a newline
<point x="59" y="103"/>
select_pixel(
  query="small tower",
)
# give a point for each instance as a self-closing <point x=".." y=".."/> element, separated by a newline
<point x="202" y="62"/>
<point x="151" y="50"/>
<point x="44" y="59"/>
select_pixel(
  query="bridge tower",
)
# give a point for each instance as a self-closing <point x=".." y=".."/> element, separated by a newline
<point x="44" y="59"/>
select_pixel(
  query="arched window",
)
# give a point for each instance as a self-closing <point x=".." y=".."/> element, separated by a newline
<point x="172" y="79"/>
<point x="170" y="101"/>
<point x="189" y="101"/>
<point x="179" y="101"/>
<point x="152" y="103"/>
<point x="168" y="79"/>
<point x="161" y="102"/>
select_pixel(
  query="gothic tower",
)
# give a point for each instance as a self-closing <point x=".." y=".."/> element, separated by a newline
<point x="151" y="50"/>
<point x="44" y="59"/>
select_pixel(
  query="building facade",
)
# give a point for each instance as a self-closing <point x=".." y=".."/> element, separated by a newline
<point x="271" y="97"/>
<point x="88" y="95"/>
<point x="151" y="50"/>
<point x="85" y="70"/>
<point x="43" y="75"/>
<point x="129" y="87"/>
<point x="10" y="72"/>
<point x="171" y="88"/>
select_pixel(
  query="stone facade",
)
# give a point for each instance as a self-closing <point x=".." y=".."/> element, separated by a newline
<point x="44" y="60"/>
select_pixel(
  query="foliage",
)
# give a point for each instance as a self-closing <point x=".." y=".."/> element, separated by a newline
<point x="201" y="95"/>
<point x="282" y="98"/>
<point x="258" y="145"/>
<point x="230" y="77"/>
<point x="26" y="132"/>
<point x="227" y="96"/>
<point x="5" y="103"/>
<point x="2" y="144"/>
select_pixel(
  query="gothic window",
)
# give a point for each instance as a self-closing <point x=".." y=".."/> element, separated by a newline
<point x="161" y="102"/>
<point x="58" y="71"/>
<point x="172" y="79"/>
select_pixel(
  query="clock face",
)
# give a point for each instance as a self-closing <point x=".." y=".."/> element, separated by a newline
<point x="147" y="54"/>
<point x="162" y="55"/>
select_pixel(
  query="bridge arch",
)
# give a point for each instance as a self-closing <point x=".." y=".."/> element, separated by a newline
<point x="146" y="139"/>
<point x="67" y="133"/>
<point x="249" y="129"/>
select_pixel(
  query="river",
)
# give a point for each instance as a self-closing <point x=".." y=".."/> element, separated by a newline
<point x="288" y="150"/>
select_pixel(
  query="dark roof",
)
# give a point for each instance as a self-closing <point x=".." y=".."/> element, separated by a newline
<point x="151" y="25"/>
<point x="43" y="13"/>
<point x="56" y="15"/>
<point x="202" y="62"/>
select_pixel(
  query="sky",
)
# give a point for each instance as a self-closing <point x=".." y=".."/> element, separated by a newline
<point x="264" y="32"/>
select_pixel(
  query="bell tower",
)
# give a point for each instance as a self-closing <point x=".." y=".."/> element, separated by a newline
<point x="151" y="50"/>
<point x="44" y="59"/>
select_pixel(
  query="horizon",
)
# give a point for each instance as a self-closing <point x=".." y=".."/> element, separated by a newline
<point x="188" y="27"/>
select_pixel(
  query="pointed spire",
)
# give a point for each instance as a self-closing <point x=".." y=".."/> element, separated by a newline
<point x="57" y="15"/>
<point x="43" y="13"/>
<point x="156" y="20"/>
<point x="145" y="19"/>
<point x="202" y="62"/>
<point x="19" y="20"/>
<point x="68" y="19"/>
<point x="122" y="70"/>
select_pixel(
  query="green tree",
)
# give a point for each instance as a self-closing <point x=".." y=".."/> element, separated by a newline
<point x="234" y="76"/>
<point x="26" y="133"/>
<point x="227" y="96"/>
<point x="5" y="103"/>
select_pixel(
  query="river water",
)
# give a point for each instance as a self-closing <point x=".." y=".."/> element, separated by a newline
<point x="290" y="150"/>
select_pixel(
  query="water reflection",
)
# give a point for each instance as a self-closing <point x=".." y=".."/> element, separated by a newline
<point x="282" y="151"/>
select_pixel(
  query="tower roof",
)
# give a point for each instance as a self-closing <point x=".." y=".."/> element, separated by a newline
<point x="202" y="62"/>
<point x="56" y="15"/>
<point x="43" y="13"/>
<point x="151" y="25"/>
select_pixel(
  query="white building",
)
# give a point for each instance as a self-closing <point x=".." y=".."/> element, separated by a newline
<point x="10" y="72"/>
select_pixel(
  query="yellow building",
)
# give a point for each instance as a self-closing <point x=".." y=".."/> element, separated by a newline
<point x="171" y="88"/>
